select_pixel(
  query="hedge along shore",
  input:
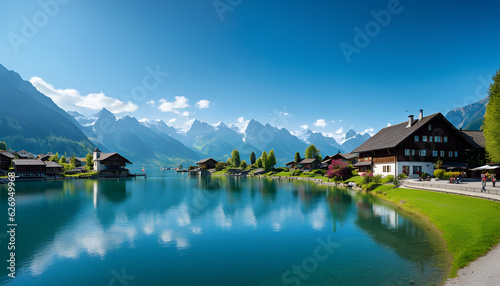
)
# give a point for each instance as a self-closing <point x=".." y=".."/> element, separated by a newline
<point x="468" y="225"/>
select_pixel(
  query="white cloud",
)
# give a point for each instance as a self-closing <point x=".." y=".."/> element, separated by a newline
<point x="151" y="102"/>
<point x="305" y="126"/>
<point x="179" y="103"/>
<point x="241" y="119"/>
<point x="203" y="104"/>
<point x="340" y="130"/>
<point x="284" y="113"/>
<point x="185" y="113"/>
<point x="369" y="131"/>
<point x="320" y="123"/>
<point x="172" y="120"/>
<point x="71" y="99"/>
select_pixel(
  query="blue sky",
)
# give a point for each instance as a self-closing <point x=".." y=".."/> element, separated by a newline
<point x="279" y="62"/>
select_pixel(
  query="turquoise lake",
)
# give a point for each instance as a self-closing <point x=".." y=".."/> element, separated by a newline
<point x="175" y="229"/>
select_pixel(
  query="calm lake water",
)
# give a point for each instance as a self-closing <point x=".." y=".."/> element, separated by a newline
<point x="174" y="229"/>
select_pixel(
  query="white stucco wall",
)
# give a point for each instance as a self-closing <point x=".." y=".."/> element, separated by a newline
<point x="427" y="167"/>
<point x="379" y="169"/>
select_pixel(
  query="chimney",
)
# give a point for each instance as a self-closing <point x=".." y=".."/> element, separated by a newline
<point x="410" y="121"/>
<point x="421" y="115"/>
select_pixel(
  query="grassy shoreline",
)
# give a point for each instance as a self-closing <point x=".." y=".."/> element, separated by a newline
<point x="468" y="225"/>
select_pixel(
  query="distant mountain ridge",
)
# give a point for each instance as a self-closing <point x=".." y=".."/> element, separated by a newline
<point x="32" y="121"/>
<point x="469" y="117"/>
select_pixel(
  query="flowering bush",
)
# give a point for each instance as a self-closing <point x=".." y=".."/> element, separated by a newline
<point x="339" y="168"/>
<point x="367" y="177"/>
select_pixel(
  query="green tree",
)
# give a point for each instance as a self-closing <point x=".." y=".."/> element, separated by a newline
<point x="72" y="161"/>
<point x="265" y="161"/>
<point x="235" y="158"/>
<point x="243" y="164"/>
<point x="228" y="161"/>
<point x="3" y="145"/>
<point x="259" y="163"/>
<point x="90" y="161"/>
<point x="297" y="157"/>
<point x="492" y="121"/>
<point x="313" y="152"/>
<point x="272" y="158"/>
<point x="62" y="160"/>
<point x="54" y="158"/>
<point x="252" y="158"/>
<point x="220" y="166"/>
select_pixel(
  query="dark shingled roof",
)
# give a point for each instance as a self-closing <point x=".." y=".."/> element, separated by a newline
<point x="28" y="162"/>
<point x="392" y="136"/>
<point x="105" y="156"/>
<point x="205" y="160"/>
<point x="476" y="138"/>
<point x="347" y="156"/>
<point x="7" y="154"/>
<point x="308" y="161"/>
<point x="291" y="162"/>
<point x="51" y="164"/>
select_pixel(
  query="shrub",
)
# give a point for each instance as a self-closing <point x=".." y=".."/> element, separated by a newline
<point x="220" y="166"/>
<point x="396" y="183"/>
<point x="377" y="179"/>
<point x="402" y="176"/>
<point x="296" y="173"/>
<point x="354" y="173"/>
<point x="367" y="177"/>
<point x="439" y="173"/>
<point x="388" y="179"/>
<point x="319" y="172"/>
<point x="370" y="186"/>
<point x="447" y="175"/>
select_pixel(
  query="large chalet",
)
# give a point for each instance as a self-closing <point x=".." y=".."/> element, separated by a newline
<point x="110" y="164"/>
<point x="414" y="146"/>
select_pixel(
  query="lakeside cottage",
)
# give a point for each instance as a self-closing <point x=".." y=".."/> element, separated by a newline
<point x="110" y="164"/>
<point x="308" y="164"/>
<point x="5" y="160"/>
<point x="412" y="147"/>
<point x="351" y="158"/>
<point x="53" y="169"/>
<point x="29" y="168"/>
<point x="206" y="163"/>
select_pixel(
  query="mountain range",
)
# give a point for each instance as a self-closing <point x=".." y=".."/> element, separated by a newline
<point x="469" y="117"/>
<point x="37" y="124"/>
<point x="32" y="121"/>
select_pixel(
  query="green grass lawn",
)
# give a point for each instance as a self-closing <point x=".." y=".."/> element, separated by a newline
<point x="220" y="173"/>
<point x="83" y="175"/>
<point x="356" y="179"/>
<point x="470" y="226"/>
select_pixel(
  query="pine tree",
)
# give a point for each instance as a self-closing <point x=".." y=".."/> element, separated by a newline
<point x="259" y="163"/>
<point x="3" y="146"/>
<point x="297" y="157"/>
<point x="252" y="158"/>
<point x="265" y="161"/>
<point x="62" y="160"/>
<point x="90" y="161"/>
<point x="72" y="161"/>
<point x="272" y="158"/>
<point x="492" y="121"/>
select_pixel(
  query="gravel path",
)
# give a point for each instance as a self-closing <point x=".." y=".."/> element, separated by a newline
<point x="483" y="271"/>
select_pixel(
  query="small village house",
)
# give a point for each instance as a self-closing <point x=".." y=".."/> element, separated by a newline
<point x="110" y="164"/>
<point x="52" y="169"/>
<point x="308" y="164"/>
<point x="206" y="163"/>
<point x="351" y="158"/>
<point x="290" y="165"/>
<point x="29" y="168"/>
<point x="44" y="157"/>
<point x="23" y="155"/>
<point x="5" y="160"/>
<point x="412" y="147"/>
